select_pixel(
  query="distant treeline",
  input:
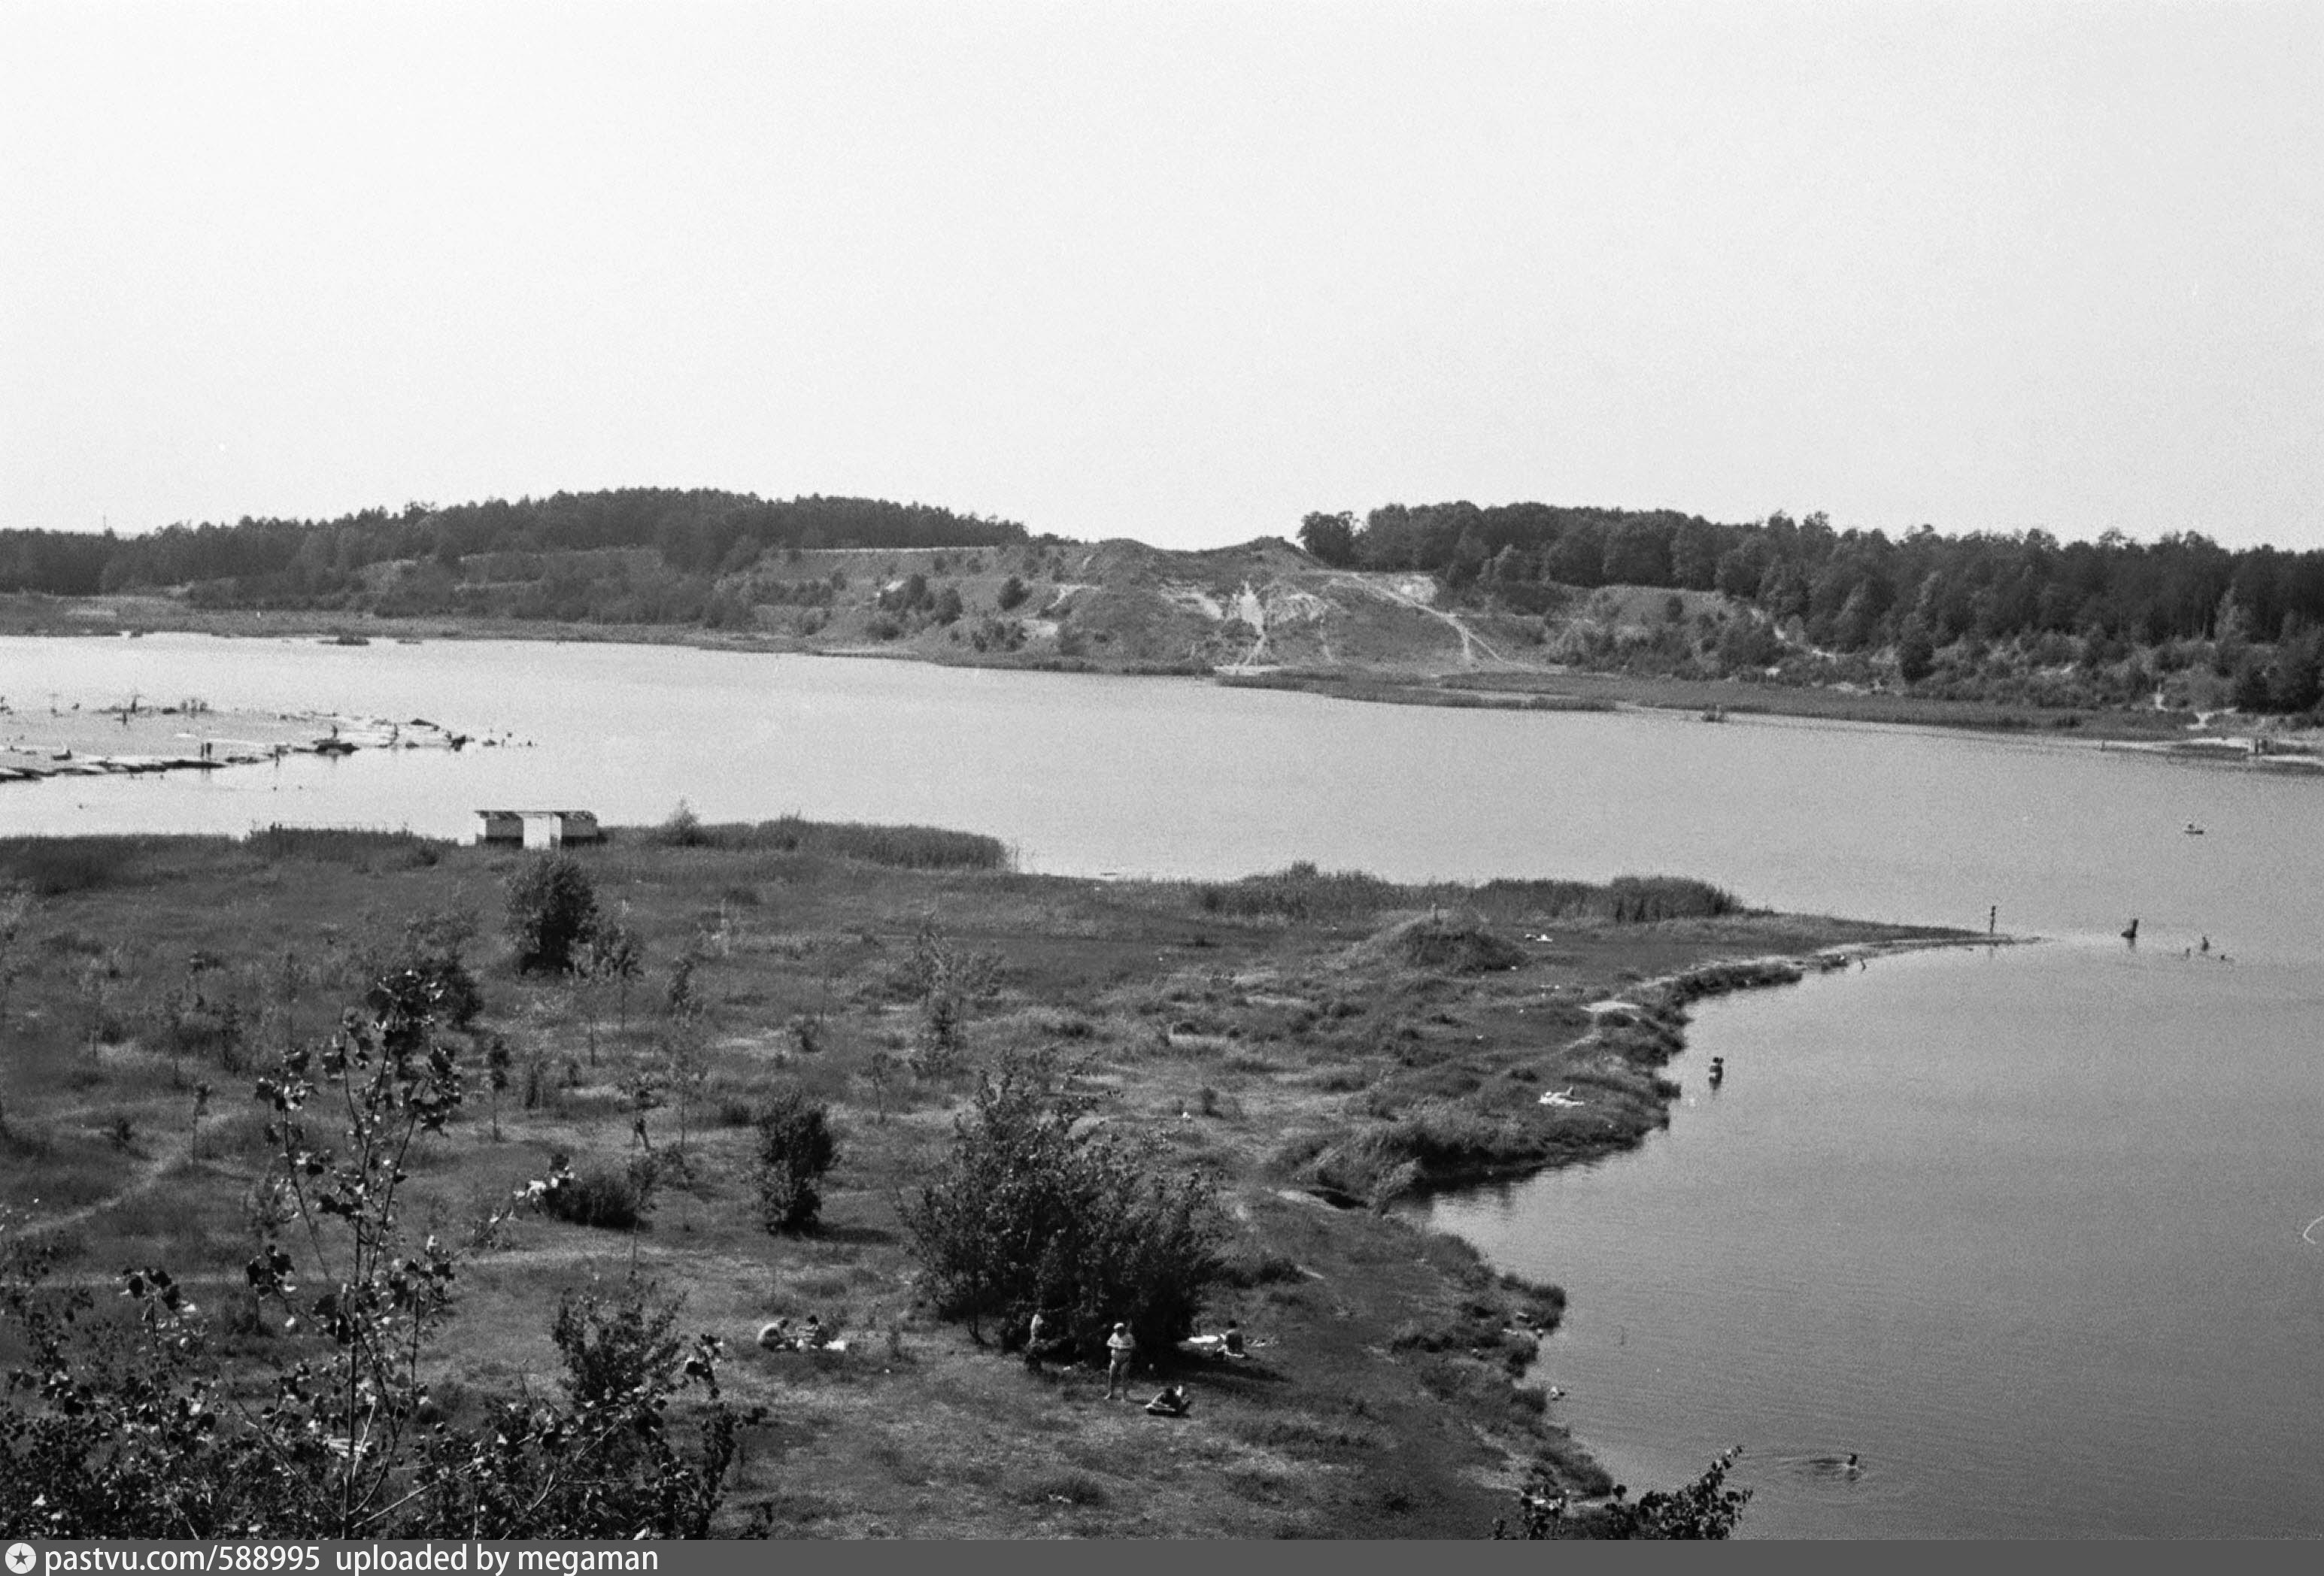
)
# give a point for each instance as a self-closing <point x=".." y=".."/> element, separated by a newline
<point x="1850" y="590"/>
<point x="696" y="534"/>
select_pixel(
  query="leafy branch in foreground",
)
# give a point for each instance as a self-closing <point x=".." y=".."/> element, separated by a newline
<point x="1703" y="1508"/>
<point x="138" y="1429"/>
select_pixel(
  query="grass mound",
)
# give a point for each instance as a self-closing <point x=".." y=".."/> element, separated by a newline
<point x="1439" y="1140"/>
<point x="1441" y="942"/>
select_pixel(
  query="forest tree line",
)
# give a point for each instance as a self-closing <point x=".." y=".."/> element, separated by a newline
<point x="695" y="535"/>
<point x="1852" y="588"/>
<point x="1858" y="592"/>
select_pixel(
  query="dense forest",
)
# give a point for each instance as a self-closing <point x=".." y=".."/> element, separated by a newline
<point x="2257" y="614"/>
<point x="689" y="539"/>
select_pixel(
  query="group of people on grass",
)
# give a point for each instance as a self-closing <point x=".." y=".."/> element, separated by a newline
<point x="1121" y="1352"/>
<point x="782" y="1336"/>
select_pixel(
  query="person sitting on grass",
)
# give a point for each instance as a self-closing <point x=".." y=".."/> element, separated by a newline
<point x="777" y="1336"/>
<point x="1230" y="1342"/>
<point x="1171" y="1401"/>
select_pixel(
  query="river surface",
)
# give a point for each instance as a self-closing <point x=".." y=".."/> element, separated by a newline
<point x="2023" y="1229"/>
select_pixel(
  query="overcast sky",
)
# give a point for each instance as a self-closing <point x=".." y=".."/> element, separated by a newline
<point x="1181" y="272"/>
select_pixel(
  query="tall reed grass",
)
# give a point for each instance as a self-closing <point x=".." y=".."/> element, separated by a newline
<point x="900" y="847"/>
<point x="1304" y="893"/>
<point x="357" y="847"/>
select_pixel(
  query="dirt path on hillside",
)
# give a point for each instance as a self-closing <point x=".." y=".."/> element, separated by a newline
<point x="1471" y="643"/>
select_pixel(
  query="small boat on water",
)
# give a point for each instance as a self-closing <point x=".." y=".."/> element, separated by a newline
<point x="2192" y="830"/>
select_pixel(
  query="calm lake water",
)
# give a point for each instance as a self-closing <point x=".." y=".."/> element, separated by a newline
<point x="2021" y="1228"/>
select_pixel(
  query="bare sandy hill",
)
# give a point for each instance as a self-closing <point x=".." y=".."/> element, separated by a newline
<point x="1120" y="604"/>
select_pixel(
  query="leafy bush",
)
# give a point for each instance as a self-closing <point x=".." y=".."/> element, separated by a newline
<point x="946" y="978"/>
<point x="460" y="997"/>
<point x="683" y="829"/>
<point x="1916" y="655"/>
<point x="552" y="908"/>
<point x="613" y="1343"/>
<point x="1300" y="892"/>
<point x="1705" y="1508"/>
<point x="1641" y="900"/>
<point x="612" y="1201"/>
<point x="135" y="1428"/>
<point x="1027" y="1214"/>
<point x="796" y="1148"/>
<point x="433" y="947"/>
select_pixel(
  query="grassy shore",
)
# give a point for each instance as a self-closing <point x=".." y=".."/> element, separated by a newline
<point x="1319" y="1044"/>
<point x="1574" y="689"/>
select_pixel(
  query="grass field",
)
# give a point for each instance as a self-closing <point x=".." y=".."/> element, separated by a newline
<point x="1319" y="1044"/>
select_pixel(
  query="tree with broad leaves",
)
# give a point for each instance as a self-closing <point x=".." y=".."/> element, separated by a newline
<point x="142" y="1432"/>
<point x="1329" y="536"/>
<point x="552" y="908"/>
<point x="796" y="1148"/>
<point x="1031" y="1212"/>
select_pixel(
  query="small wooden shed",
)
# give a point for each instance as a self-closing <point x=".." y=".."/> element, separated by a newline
<point x="538" y="828"/>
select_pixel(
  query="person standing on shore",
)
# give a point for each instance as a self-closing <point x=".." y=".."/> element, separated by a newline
<point x="1119" y="1348"/>
<point x="1034" y="1334"/>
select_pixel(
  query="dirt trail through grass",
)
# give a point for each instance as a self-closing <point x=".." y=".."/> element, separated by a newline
<point x="164" y="1154"/>
<point x="1471" y="642"/>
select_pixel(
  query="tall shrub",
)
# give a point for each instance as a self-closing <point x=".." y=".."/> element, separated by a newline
<point x="796" y="1148"/>
<point x="552" y="908"/>
<point x="1027" y="1214"/>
